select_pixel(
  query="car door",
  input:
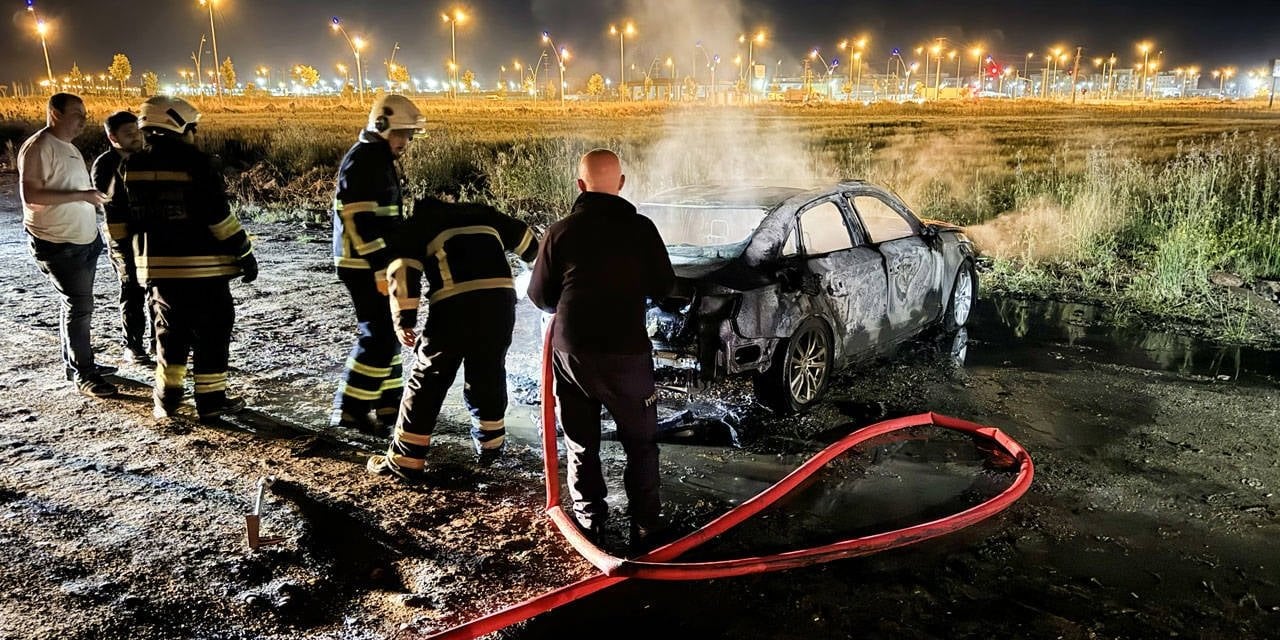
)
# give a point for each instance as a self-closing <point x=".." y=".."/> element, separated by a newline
<point x="910" y="267"/>
<point x="845" y="275"/>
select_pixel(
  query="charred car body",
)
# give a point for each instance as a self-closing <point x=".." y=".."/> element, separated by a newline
<point x="791" y="284"/>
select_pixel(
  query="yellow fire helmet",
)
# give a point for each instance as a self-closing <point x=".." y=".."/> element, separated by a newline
<point x="393" y="111"/>
<point x="165" y="112"/>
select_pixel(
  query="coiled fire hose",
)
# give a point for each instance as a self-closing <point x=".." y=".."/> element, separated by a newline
<point x="658" y="564"/>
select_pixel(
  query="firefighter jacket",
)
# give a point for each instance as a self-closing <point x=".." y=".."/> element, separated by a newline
<point x="458" y="248"/>
<point x="366" y="208"/>
<point x="180" y="222"/>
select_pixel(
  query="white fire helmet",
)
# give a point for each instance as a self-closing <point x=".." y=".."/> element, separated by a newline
<point x="164" y="112"/>
<point x="391" y="112"/>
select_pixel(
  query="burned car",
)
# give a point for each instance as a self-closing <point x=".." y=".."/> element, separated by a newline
<point x="790" y="285"/>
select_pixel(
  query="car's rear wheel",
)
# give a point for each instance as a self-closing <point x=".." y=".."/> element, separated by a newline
<point x="964" y="293"/>
<point x="801" y="369"/>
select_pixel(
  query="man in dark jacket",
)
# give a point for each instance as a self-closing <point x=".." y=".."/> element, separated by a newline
<point x="187" y="245"/>
<point x="594" y="271"/>
<point x="461" y="251"/>
<point x="366" y="215"/>
<point x="126" y="139"/>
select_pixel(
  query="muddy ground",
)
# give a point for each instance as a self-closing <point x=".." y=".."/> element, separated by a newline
<point x="1153" y="513"/>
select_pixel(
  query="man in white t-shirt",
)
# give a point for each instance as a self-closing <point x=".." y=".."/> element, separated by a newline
<point x="59" y="212"/>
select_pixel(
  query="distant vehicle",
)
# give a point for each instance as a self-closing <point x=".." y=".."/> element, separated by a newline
<point x="789" y="285"/>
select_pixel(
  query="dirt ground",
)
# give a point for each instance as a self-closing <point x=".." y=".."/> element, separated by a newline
<point x="1153" y="513"/>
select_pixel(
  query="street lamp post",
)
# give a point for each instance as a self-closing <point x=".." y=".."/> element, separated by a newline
<point x="42" y="28"/>
<point x="955" y="55"/>
<point x="937" y="83"/>
<point x="217" y="77"/>
<point x="561" y="56"/>
<point x="453" y="19"/>
<point x="1145" y="48"/>
<point x="628" y="30"/>
<point x="1026" y="69"/>
<point x="671" y="72"/>
<point x="751" y="61"/>
<point x="977" y="53"/>
<point x="356" y="45"/>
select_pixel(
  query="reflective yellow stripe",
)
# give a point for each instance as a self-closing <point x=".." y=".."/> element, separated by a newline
<point x="363" y="206"/>
<point x="212" y="383"/>
<point x="157" y="176"/>
<point x="369" y="247"/>
<point x="118" y="230"/>
<point x="405" y="304"/>
<point x="227" y="228"/>
<point x="474" y="285"/>
<point x="184" y="261"/>
<point x="358" y="394"/>
<point x="351" y="263"/>
<point x="444" y="236"/>
<point x="171" y="376"/>
<point x="393" y="210"/>
<point x="397" y="359"/>
<point x="417" y="464"/>
<point x="401" y="264"/>
<point x="419" y="439"/>
<point x="391" y="384"/>
<point x="446" y="275"/>
<point x="491" y="425"/>
<point x="524" y="244"/>
<point x="153" y="273"/>
<point x="366" y="370"/>
<point x="494" y="443"/>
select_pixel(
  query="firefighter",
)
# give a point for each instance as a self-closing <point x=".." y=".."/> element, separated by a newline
<point x="461" y="250"/>
<point x="366" y="213"/>
<point x="187" y="246"/>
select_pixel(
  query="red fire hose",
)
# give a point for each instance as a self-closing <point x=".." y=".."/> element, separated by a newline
<point x="658" y="565"/>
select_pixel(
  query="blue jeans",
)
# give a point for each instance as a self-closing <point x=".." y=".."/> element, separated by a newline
<point x="71" y="268"/>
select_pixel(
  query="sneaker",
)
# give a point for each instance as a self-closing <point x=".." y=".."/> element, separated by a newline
<point x="360" y="422"/>
<point x="99" y="370"/>
<point x="222" y="407"/>
<point x="94" y="386"/>
<point x="381" y="464"/>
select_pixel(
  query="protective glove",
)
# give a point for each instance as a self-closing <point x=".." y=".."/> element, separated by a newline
<point x="248" y="265"/>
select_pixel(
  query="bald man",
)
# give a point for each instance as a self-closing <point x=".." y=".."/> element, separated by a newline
<point x="594" y="270"/>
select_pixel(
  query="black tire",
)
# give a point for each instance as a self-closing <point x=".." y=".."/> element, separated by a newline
<point x="959" y="308"/>
<point x="808" y="352"/>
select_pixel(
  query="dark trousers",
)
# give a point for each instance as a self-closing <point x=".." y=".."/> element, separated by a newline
<point x="192" y="317"/>
<point x="71" y="268"/>
<point x="133" y="305"/>
<point x="374" y="376"/>
<point x="624" y="385"/>
<point x="472" y="330"/>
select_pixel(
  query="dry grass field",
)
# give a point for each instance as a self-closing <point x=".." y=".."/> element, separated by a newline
<point x="1134" y="206"/>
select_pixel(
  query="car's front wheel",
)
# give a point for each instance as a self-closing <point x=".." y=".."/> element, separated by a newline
<point x="801" y="368"/>
<point x="964" y="293"/>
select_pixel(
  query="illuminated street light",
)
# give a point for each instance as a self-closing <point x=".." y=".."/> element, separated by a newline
<point x="628" y="30"/>
<point x="977" y="53"/>
<point x="561" y="56"/>
<point x="1145" y="48"/>
<point x="856" y="46"/>
<point x="214" y="32"/>
<point x="750" y="69"/>
<point x="453" y="18"/>
<point x="42" y="28"/>
<point x="356" y="44"/>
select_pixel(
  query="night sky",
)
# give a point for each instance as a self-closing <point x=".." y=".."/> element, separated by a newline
<point x="160" y="35"/>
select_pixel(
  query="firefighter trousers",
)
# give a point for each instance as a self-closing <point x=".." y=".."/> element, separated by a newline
<point x="192" y="317"/>
<point x="374" y="376"/>
<point x="472" y="331"/>
<point x="624" y="385"/>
